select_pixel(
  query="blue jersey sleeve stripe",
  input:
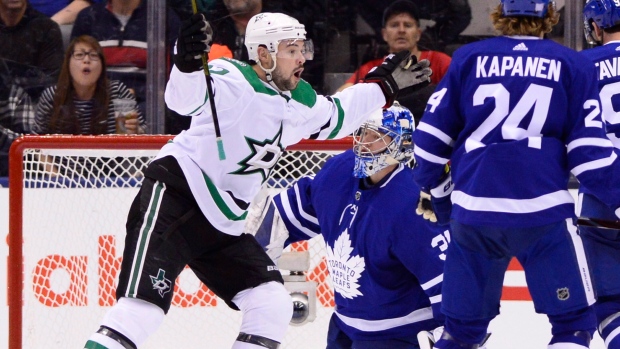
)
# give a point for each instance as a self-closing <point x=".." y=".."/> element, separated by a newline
<point x="290" y="216"/>
<point x="615" y="140"/>
<point x="435" y="299"/>
<point x="303" y="213"/>
<point x="432" y="130"/>
<point x="505" y="205"/>
<point x="385" y="324"/>
<point x="593" y="165"/>
<point x="439" y="279"/>
<point x="429" y="157"/>
<point x="581" y="142"/>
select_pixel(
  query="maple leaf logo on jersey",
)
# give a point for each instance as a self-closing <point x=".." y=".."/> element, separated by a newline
<point x="263" y="157"/>
<point x="344" y="269"/>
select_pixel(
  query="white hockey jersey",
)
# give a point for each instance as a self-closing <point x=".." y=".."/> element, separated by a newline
<point x="257" y="123"/>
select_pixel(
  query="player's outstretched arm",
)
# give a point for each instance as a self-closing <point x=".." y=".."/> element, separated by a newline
<point x="400" y="74"/>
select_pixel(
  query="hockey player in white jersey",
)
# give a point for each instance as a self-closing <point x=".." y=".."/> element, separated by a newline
<point x="515" y="115"/>
<point x="193" y="202"/>
<point x="602" y="244"/>
<point x="385" y="263"/>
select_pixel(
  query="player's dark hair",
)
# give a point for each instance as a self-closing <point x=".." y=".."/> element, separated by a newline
<point x="524" y="25"/>
<point x="612" y="30"/>
<point x="400" y="7"/>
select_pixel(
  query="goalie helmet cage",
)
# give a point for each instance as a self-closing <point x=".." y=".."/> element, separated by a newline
<point x="68" y="201"/>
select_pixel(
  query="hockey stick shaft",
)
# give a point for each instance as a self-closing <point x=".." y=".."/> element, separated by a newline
<point x="216" y="123"/>
<point x="598" y="223"/>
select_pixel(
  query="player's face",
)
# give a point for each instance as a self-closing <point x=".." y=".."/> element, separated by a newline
<point x="372" y="141"/>
<point x="289" y="64"/>
<point x="84" y="66"/>
<point x="401" y="32"/>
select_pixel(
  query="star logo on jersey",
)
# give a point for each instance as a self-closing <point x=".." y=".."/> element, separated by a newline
<point x="160" y="283"/>
<point x="263" y="157"/>
<point x="344" y="269"/>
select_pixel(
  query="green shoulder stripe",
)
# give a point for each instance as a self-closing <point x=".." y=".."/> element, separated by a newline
<point x="304" y="94"/>
<point x="336" y="129"/>
<point x="250" y="75"/>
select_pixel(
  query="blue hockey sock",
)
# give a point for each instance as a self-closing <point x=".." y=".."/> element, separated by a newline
<point x="608" y="316"/>
<point x="463" y="334"/>
<point x="574" y="327"/>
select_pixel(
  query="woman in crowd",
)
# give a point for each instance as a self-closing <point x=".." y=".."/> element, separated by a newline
<point x="84" y="101"/>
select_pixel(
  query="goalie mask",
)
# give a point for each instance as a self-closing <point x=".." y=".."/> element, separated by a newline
<point x="528" y="8"/>
<point x="605" y="13"/>
<point x="384" y="140"/>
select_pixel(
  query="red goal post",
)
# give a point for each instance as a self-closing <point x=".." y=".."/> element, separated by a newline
<point x="68" y="200"/>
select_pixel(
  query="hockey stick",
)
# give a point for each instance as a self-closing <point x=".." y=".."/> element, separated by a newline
<point x="598" y="223"/>
<point x="216" y="123"/>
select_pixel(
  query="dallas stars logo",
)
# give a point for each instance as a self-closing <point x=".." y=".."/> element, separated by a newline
<point x="160" y="283"/>
<point x="264" y="156"/>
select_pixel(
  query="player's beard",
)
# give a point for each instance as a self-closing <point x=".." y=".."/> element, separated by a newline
<point x="284" y="83"/>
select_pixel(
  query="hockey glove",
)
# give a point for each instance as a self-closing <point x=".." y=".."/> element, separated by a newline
<point x="435" y="205"/>
<point x="400" y="74"/>
<point x="195" y="35"/>
<point x="264" y="222"/>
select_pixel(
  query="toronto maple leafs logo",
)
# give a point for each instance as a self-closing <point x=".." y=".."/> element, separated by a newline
<point x="160" y="283"/>
<point x="344" y="269"/>
<point x="263" y="157"/>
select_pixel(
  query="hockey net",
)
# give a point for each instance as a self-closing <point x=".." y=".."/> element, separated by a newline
<point x="69" y="198"/>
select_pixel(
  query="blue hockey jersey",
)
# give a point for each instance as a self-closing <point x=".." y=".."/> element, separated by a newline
<point x="515" y="115"/>
<point x="385" y="262"/>
<point x="606" y="58"/>
<point x="607" y="61"/>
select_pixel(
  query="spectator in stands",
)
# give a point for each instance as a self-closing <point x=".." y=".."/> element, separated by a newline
<point x="30" y="47"/>
<point x="229" y="22"/>
<point x="450" y="18"/>
<point x="229" y="19"/>
<point x="16" y="118"/>
<point x="120" y="26"/>
<point x="401" y="31"/>
<point x="85" y="101"/>
<point x="61" y="11"/>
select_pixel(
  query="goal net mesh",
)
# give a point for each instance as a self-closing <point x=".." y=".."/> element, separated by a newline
<point x="74" y="203"/>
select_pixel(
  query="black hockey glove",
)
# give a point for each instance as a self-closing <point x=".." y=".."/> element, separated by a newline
<point x="400" y="74"/>
<point x="195" y="35"/>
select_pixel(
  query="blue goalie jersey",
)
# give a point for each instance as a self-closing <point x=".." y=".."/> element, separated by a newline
<point x="385" y="262"/>
<point x="515" y="115"/>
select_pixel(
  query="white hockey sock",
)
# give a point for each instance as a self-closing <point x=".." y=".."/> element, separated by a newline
<point x="134" y="318"/>
<point x="267" y="310"/>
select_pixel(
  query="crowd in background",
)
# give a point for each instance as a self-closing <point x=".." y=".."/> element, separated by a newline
<point x="39" y="64"/>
